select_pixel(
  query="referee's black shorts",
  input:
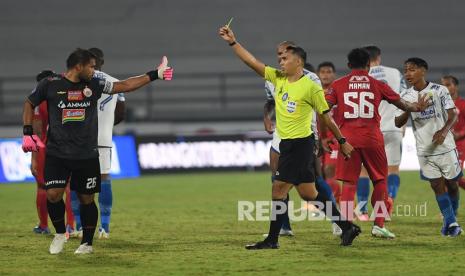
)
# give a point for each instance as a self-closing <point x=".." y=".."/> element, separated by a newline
<point x="296" y="161"/>
<point x="84" y="174"/>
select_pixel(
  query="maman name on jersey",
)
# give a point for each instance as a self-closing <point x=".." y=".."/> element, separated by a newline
<point x="359" y="85"/>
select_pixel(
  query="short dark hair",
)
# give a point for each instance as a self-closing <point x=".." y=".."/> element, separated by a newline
<point x="309" y="67"/>
<point x="373" y="51"/>
<point x="79" y="56"/>
<point x="452" y="78"/>
<point x="44" y="74"/>
<point x="98" y="53"/>
<point x="358" y="58"/>
<point x="418" y="62"/>
<point x="326" y="64"/>
<point x="299" y="51"/>
<point x="287" y="42"/>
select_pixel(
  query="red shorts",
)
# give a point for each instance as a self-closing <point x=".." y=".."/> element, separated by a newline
<point x="40" y="167"/>
<point x="330" y="158"/>
<point x="373" y="159"/>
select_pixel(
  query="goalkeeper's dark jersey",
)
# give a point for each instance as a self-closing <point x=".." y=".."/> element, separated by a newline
<point x="72" y="111"/>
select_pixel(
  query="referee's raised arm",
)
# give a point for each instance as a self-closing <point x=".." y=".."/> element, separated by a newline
<point x="227" y="34"/>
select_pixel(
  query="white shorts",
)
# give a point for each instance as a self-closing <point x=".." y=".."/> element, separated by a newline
<point x="275" y="142"/>
<point x="105" y="160"/>
<point x="436" y="166"/>
<point x="393" y="147"/>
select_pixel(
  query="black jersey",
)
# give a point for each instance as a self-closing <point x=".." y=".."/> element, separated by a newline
<point x="72" y="115"/>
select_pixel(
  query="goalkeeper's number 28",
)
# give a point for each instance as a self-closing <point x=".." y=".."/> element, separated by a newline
<point x="361" y="108"/>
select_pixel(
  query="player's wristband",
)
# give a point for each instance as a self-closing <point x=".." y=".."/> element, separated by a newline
<point x="27" y="130"/>
<point x="153" y="75"/>
<point x="232" y="43"/>
<point x="342" y="141"/>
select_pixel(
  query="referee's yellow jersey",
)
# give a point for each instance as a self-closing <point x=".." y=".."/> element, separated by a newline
<point x="295" y="103"/>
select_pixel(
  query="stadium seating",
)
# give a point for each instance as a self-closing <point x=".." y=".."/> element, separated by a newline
<point x="210" y="83"/>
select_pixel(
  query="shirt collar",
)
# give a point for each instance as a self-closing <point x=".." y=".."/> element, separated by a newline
<point x="359" y="72"/>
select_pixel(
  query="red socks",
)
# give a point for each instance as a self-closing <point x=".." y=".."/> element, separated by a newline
<point x="335" y="187"/>
<point x="41" y="203"/>
<point x="347" y="204"/>
<point x="69" y="210"/>
<point x="379" y="194"/>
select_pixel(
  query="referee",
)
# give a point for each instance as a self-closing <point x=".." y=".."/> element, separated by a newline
<point x="296" y="98"/>
<point x="72" y="137"/>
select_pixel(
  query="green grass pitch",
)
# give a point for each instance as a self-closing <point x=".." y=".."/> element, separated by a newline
<point x="187" y="224"/>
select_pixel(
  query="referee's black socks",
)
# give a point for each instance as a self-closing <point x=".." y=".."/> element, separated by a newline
<point x="286" y="223"/>
<point x="56" y="211"/>
<point x="276" y="220"/>
<point x="89" y="217"/>
<point x="341" y="222"/>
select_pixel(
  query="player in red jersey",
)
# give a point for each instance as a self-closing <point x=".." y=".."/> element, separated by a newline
<point x="357" y="97"/>
<point x="452" y="84"/>
<point x="37" y="167"/>
<point x="327" y="73"/>
<point x="40" y="125"/>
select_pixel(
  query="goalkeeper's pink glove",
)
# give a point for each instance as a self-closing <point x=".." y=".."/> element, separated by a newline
<point x="165" y="72"/>
<point x="31" y="142"/>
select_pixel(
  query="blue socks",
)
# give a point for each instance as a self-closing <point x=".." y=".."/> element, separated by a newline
<point x="322" y="186"/>
<point x="105" y="201"/>
<point x="455" y="202"/>
<point x="445" y="206"/>
<point x="393" y="182"/>
<point x="363" y="191"/>
<point x="76" y="209"/>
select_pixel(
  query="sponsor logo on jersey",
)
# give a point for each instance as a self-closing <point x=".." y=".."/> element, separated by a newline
<point x="285" y="96"/>
<point x="75" y="95"/>
<point x="291" y="106"/>
<point x="435" y="87"/>
<point x="81" y="104"/>
<point x="427" y="112"/>
<point x="87" y="92"/>
<point x="55" y="182"/>
<point x="359" y="79"/>
<point x="376" y="70"/>
<point x="430" y="98"/>
<point x="61" y="104"/>
<point x="73" y="115"/>
<point x="61" y="92"/>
